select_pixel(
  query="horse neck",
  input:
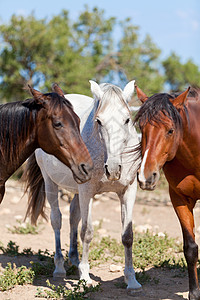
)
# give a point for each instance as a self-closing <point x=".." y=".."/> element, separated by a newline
<point x="30" y="144"/>
<point x="14" y="156"/>
<point x="188" y="149"/>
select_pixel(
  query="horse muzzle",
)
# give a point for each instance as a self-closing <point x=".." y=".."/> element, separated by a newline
<point x="113" y="174"/>
<point x="82" y="173"/>
<point x="149" y="183"/>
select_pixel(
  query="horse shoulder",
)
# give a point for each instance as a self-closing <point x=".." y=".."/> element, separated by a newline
<point x="182" y="181"/>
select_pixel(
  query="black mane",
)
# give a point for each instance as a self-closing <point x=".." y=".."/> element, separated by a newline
<point x="153" y="109"/>
<point x="15" y="122"/>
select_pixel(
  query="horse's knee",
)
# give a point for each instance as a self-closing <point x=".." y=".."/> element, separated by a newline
<point x="56" y="219"/>
<point x="191" y="252"/>
<point x="86" y="233"/>
<point x="127" y="236"/>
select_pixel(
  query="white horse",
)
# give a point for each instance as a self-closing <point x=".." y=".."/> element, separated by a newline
<point x="110" y="137"/>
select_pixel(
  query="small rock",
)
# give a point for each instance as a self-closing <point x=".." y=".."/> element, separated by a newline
<point x="118" y="209"/>
<point x="102" y="232"/>
<point x="96" y="223"/>
<point x="161" y="234"/>
<point x="15" y="200"/>
<point x="143" y="228"/>
<point x="18" y="217"/>
<point x="115" y="268"/>
<point x="97" y="196"/>
<point x="106" y="220"/>
<point x="5" y="211"/>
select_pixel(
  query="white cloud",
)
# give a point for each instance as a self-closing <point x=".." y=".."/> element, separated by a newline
<point x="195" y="24"/>
<point x="21" y="12"/>
<point x="189" y="18"/>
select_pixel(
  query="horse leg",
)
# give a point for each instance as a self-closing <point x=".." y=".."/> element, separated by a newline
<point x="185" y="215"/>
<point x="56" y="219"/>
<point x="85" y="203"/>
<point x="75" y="216"/>
<point x="127" y="201"/>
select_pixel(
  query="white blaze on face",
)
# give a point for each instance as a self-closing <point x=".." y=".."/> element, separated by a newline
<point x="141" y="173"/>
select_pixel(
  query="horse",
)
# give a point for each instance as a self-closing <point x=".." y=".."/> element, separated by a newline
<point x="46" y="121"/>
<point x="171" y="140"/>
<point x="108" y="132"/>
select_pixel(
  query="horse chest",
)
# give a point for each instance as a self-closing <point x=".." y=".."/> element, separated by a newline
<point x="189" y="187"/>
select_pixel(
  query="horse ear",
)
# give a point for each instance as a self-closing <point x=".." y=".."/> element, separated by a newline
<point x="140" y="94"/>
<point x="96" y="90"/>
<point x="38" y="96"/>
<point x="55" y="88"/>
<point x="181" y="99"/>
<point x="129" y="90"/>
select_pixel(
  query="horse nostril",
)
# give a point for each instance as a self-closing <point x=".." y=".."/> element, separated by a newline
<point x="154" y="175"/>
<point x="83" y="169"/>
<point x="107" y="172"/>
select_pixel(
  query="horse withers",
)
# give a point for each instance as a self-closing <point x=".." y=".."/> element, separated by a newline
<point x="108" y="132"/>
<point x="171" y="140"/>
<point x="46" y="121"/>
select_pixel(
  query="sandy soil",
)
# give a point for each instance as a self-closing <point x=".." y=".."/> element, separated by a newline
<point x="152" y="210"/>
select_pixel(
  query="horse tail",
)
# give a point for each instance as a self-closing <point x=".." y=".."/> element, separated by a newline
<point x="35" y="187"/>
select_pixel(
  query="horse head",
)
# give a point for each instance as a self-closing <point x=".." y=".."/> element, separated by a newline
<point x="160" y="122"/>
<point x="114" y="123"/>
<point x="58" y="132"/>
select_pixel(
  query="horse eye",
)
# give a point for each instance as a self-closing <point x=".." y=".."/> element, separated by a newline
<point x="99" y="122"/>
<point x="170" y="131"/>
<point x="127" y="121"/>
<point x="57" y="124"/>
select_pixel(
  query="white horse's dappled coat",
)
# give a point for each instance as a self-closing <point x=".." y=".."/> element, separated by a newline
<point x="110" y="137"/>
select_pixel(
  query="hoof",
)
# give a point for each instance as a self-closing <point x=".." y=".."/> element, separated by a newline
<point x="88" y="282"/>
<point x="59" y="275"/>
<point x="135" y="292"/>
<point x="73" y="261"/>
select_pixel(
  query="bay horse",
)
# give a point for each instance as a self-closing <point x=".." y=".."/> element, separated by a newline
<point x="109" y="134"/>
<point x="46" y="121"/>
<point x="171" y="140"/>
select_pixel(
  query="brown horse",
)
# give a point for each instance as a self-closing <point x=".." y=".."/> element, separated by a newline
<point x="46" y="121"/>
<point x="171" y="140"/>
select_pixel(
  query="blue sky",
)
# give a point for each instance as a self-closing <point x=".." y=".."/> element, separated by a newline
<point x="174" y="25"/>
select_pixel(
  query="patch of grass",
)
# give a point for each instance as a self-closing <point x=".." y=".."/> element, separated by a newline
<point x="24" y="228"/>
<point x="12" y="249"/>
<point x="148" y="250"/>
<point x="104" y="250"/>
<point x="79" y="291"/>
<point x="153" y="250"/>
<point x="120" y="285"/>
<point x="15" y="276"/>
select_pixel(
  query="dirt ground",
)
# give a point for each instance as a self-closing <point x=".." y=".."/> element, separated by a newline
<point x="152" y="210"/>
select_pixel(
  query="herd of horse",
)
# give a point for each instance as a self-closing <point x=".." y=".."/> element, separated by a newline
<point x="90" y="145"/>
